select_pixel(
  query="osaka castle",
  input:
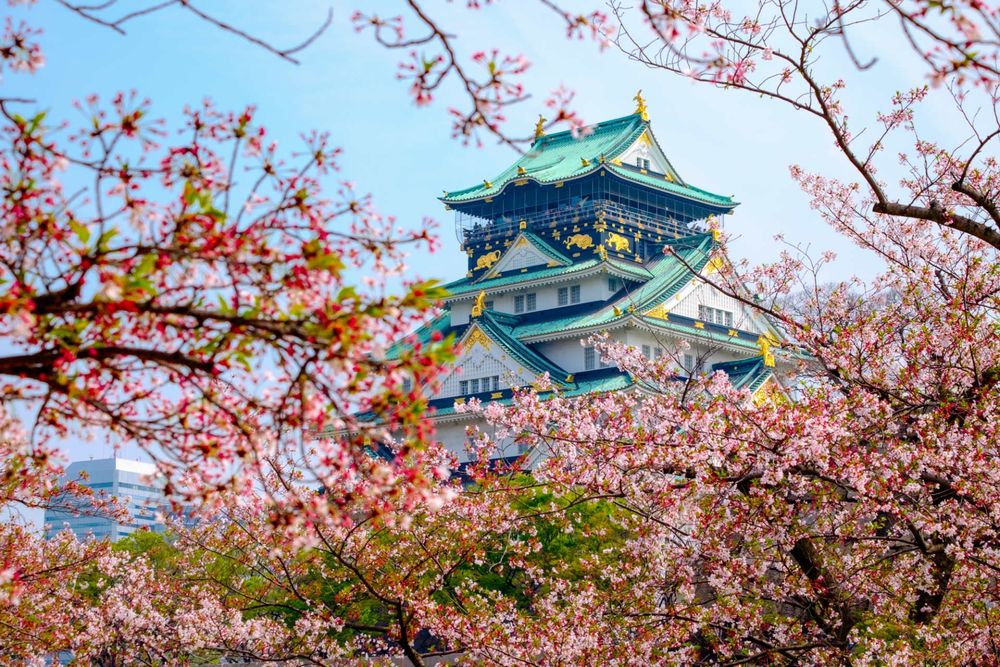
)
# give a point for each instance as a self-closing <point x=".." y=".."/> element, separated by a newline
<point x="568" y="242"/>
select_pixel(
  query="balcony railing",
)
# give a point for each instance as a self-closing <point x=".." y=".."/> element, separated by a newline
<point x="470" y="228"/>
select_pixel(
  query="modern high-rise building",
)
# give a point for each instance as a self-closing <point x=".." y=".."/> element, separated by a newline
<point x="570" y="241"/>
<point x="122" y="479"/>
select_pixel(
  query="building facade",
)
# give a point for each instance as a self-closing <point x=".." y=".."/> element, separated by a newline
<point x="125" y="480"/>
<point x="568" y="242"/>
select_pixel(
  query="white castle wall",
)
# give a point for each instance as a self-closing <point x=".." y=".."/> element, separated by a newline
<point x="593" y="288"/>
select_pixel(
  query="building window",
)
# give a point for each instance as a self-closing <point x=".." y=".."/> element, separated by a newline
<point x="715" y="316"/>
<point x="574" y="294"/>
<point x="646" y="351"/>
<point x="530" y="301"/>
<point x="563" y="297"/>
<point x="692" y="364"/>
<point x="407" y="385"/>
<point x="642" y="163"/>
<point x="519" y="303"/>
<point x="589" y="358"/>
<point x="489" y="305"/>
<point x="614" y="284"/>
<point x="478" y="385"/>
<point x="657" y="352"/>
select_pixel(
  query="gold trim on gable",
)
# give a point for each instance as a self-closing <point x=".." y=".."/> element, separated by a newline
<point x="659" y="312"/>
<point x="477" y="336"/>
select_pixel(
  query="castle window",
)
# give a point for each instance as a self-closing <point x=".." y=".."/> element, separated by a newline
<point x="657" y="352"/>
<point x="692" y="364"/>
<point x="646" y="351"/>
<point x="614" y="284"/>
<point x="519" y="303"/>
<point x="589" y="358"/>
<point x="474" y="386"/>
<point x="407" y="385"/>
<point x="715" y="316"/>
<point x="642" y="163"/>
<point x="530" y="301"/>
<point x="569" y="294"/>
<point x="463" y="387"/>
<point x="496" y="383"/>
<point x="489" y="305"/>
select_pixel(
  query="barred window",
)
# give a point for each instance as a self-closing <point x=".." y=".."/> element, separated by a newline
<point x="589" y="358"/>
<point x="715" y="315"/>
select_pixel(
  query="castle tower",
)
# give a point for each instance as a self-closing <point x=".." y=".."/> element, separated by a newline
<point x="568" y="242"/>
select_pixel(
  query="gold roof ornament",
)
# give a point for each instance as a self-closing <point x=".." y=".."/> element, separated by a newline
<point x="540" y="127"/>
<point x="487" y="184"/>
<point x="521" y="171"/>
<point x="480" y="304"/>
<point x="640" y="105"/>
<point x="584" y="162"/>
<point x="765" y="343"/>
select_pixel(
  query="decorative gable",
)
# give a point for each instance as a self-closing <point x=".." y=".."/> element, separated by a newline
<point x="644" y="153"/>
<point x="704" y="303"/>
<point x="526" y="251"/>
<point x="483" y="359"/>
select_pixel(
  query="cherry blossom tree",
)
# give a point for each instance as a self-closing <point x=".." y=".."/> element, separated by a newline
<point x="213" y="325"/>
<point x="852" y="522"/>
<point x="190" y="291"/>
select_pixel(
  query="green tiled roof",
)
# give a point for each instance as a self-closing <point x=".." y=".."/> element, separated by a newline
<point x="747" y="374"/>
<point x="669" y="276"/>
<point x="465" y="285"/>
<point x="560" y="156"/>
<point x="470" y="285"/>
<point x="640" y="272"/>
<point x="658" y="181"/>
<point x="611" y="382"/>
<point x="611" y="379"/>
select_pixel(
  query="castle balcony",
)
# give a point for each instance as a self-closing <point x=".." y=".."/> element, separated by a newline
<point x="471" y="229"/>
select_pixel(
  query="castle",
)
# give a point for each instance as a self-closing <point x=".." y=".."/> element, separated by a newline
<point x="568" y="242"/>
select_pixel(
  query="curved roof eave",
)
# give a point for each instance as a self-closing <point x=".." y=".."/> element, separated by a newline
<point x="452" y="202"/>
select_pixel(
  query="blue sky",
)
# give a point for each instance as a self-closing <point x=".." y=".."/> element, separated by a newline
<point x="722" y="141"/>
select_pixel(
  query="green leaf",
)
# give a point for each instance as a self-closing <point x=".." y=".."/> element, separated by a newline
<point x="145" y="266"/>
<point x="80" y="230"/>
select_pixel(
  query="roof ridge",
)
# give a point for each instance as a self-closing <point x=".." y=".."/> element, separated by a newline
<point x="582" y="131"/>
